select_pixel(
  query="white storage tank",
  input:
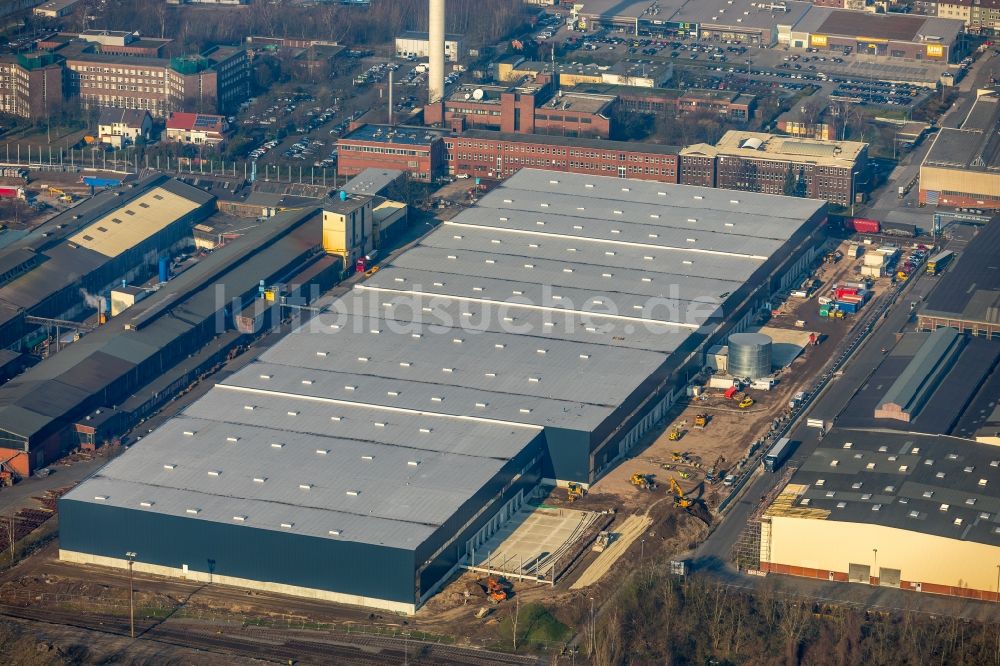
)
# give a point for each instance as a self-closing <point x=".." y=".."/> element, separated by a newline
<point x="749" y="355"/>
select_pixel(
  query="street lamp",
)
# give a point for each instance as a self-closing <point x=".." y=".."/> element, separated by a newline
<point x="593" y="630"/>
<point x="998" y="584"/>
<point x="875" y="564"/>
<point x="131" y="606"/>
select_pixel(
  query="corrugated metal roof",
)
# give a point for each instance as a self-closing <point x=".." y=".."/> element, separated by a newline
<point x="134" y="222"/>
<point x="915" y="380"/>
<point x="486" y="376"/>
<point x="372" y="484"/>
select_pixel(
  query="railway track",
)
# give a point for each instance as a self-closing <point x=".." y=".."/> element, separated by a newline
<point x="275" y="645"/>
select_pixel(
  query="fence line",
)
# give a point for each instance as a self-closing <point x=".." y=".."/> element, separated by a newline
<point x="125" y="162"/>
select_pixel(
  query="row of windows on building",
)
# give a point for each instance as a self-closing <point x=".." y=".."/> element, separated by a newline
<point x="120" y="71"/>
<point x="381" y="150"/>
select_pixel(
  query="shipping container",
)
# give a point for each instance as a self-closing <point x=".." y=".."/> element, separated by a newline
<point x="11" y="193"/>
<point x="848" y="307"/>
<point x="865" y="226"/>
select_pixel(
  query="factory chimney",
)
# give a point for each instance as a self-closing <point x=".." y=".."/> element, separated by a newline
<point x="435" y="42"/>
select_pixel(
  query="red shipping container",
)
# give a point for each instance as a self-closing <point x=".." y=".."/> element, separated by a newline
<point x="865" y="226"/>
<point x="844" y="291"/>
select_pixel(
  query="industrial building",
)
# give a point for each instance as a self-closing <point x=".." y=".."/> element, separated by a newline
<point x="56" y="8"/>
<point x="962" y="168"/>
<point x="745" y="21"/>
<point x="534" y="337"/>
<point x="928" y="38"/>
<point x="914" y="386"/>
<point x="913" y="511"/>
<point x="159" y="345"/>
<point x="116" y="235"/>
<point x="389" y="216"/>
<point x="756" y="162"/>
<point x="967" y="296"/>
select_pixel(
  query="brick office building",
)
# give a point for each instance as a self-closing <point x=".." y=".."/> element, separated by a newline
<point x="530" y="106"/>
<point x="419" y="151"/>
<point x="31" y="85"/>
<point x="498" y="155"/>
<point x="756" y="162"/>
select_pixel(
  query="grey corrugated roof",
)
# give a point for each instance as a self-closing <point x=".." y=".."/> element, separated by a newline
<point x="930" y="363"/>
<point x="397" y="503"/>
<point x="489" y="386"/>
<point x="372" y="181"/>
<point x="905" y="467"/>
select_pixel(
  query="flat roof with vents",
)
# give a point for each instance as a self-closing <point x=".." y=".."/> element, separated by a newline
<point x="465" y="352"/>
<point x="914" y="472"/>
<point x="137" y="220"/>
<point x="359" y="477"/>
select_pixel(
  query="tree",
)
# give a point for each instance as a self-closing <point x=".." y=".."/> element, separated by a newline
<point x="788" y="189"/>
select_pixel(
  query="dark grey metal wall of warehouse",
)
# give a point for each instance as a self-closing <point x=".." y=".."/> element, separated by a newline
<point x="241" y="551"/>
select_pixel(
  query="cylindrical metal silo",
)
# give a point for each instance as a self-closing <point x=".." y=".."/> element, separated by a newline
<point x="749" y="355"/>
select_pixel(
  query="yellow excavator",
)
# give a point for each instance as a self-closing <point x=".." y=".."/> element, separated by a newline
<point x="679" y="498"/>
<point x="642" y="481"/>
<point x="675" y="434"/>
<point x="63" y="196"/>
<point x="574" y="491"/>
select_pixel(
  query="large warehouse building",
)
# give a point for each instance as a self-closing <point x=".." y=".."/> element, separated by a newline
<point x="916" y="512"/>
<point x="535" y="337"/>
<point x="117" y="234"/>
<point x="962" y="168"/>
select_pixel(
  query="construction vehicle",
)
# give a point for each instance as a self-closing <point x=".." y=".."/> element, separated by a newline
<point x="63" y="196"/>
<point x="679" y="498"/>
<point x="675" y="434"/>
<point x="574" y="491"/>
<point x="496" y="590"/>
<point x="700" y="420"/>
<point x="602" y="542"/>
<point x="683" y="474"/>
<point x="714" y="473"/>
<point x="745" y="402"/>
<point x="642" y="481"/>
